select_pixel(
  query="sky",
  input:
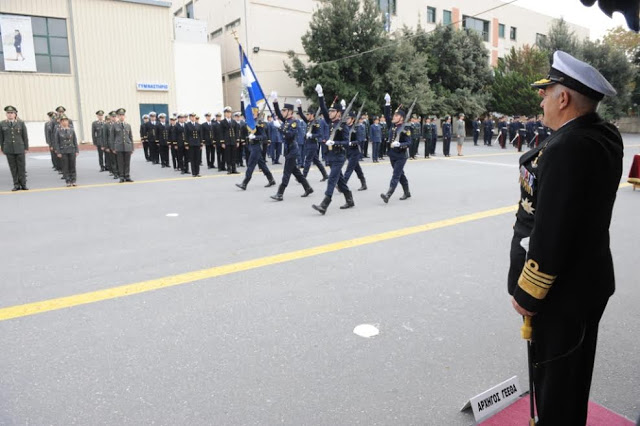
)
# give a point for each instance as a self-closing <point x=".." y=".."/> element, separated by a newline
<point x="574" y="11"/>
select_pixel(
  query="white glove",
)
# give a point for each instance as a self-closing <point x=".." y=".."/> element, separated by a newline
<point x="387" y="99"/>
<point x="319" y="90"/>
<point x="277" y="124"/>
<point x="344" y="104"/>
<point x="252" y="137"/>
<point x="395" y="144"/>
<point x="330" y="143"/>
<point x="298" y="102"/>
<point x="242" y="96"/>
<point x="273" y="95"/>
<point x="309" y="134"/>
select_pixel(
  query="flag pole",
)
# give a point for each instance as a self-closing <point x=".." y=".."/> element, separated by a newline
<point x="242" y="54"/>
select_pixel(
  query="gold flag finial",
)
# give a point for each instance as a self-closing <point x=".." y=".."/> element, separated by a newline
<point x="235" y="35"/>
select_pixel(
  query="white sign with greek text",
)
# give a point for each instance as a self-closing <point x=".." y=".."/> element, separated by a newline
<point x="495" y="399"/>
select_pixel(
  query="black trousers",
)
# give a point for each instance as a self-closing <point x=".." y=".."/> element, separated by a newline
<point x="446" y="145"/>
<point x="100" y="157"/>
<point x="194" y="157"/>
<point x="113" y="160"/>
<point x="145" y="147"/>
<point x="164" y="155"/>
<point x="174" y="156"/>
<point x="562" y="385"/>
<point x="220" y="154"/>
<point x="230" y="157"/>
<point x="124" y="164"/>
<point x="18" y="168"/>
<point x="69" y="167"/>
<point x="365" y="148"/>
<point x="210" y="155"/>
<point x="154" y="152"/>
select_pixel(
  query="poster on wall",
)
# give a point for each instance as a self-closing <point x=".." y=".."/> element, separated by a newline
<point x="17" y="43"/>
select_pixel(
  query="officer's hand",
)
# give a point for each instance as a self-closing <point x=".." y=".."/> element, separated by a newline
<point x="395" y="144"/>
<point x="242" y="96"/>
<point x="387" y="99"/>
<point x="273" y="96"/>
<point x="252" y="137"/>
<point x="319" y="90"/>
<point x="298" y="102"/>
<point x="222" y="146"/>
<point x="330" y="143"/>
<point x="519" y="309"/>
<point x="343" y="103"/>
<point x="59" y="155"/>
<point x="309" y="134"/>
<point x="277" y="124"/>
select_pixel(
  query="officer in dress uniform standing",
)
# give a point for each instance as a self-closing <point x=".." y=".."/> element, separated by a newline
<point x="181" y="144"/>
<point x="426" y="135"/>
<point x="65" y="145"/>
<point x="476" y="124"/>
<point x="109" y="149"/>
<point x="143" y="136"/>
<point x="561" y="272"/>
<point x="335" y="154"/>
<point x="207" y="136"/>
<point x="375" y="136"/>
<point x="230" y="137"/>
<point x="446" y="136"/>
<point x="123" y="145"/>
<point x="313" y="138"/>
<point x="488" y="131"/>
<point x="14" y="142"/>
<point x="384" y="128"/>
<point x="356" y="136"/>
<point x="502" y="133"/>
<point x="163" y="140"/>
<point x="48" y="135"/>
<point x="153" y="138"/>
<point x="173" y="142"/>
<point x="96" y="137"/>
<point x="254" y="141"/>
<point x="194" y="144"/>
<point x="415" y="136"/>
<point x="397" y="150"/>
<point x="289" y="129"/>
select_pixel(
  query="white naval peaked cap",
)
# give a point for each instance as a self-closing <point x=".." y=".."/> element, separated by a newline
<point x="577" y="75"/>
<point x="227" y="109"/>
<point x="152" y="113"/>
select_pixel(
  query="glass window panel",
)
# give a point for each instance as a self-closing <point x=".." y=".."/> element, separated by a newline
<point x="39" y="25"/>
<point x="43" y="64"/>
<point x="446" y="17"/>
<point x="190" y="13"/>
<point x="40" y="45"/>
<point x="431" y="15"/>
<point x="60" y="65"/>
<point x="59" y="46"/>
<point x="57" y="27"/>
<point x="501" y="30"/>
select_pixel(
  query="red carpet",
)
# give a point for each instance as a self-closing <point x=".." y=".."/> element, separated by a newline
<point x="518" y="414"/>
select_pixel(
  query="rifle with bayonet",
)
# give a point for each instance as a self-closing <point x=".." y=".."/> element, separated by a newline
<point x="343" y="119"/>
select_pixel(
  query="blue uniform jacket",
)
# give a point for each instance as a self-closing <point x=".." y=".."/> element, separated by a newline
<point x="375" y="133"/>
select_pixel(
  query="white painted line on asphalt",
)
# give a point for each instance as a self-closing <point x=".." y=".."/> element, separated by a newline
<point x="366" y="330"/>
<point x="515" y="166"/>
<point x="40" y="157"/>
<point x="172" y="215"/>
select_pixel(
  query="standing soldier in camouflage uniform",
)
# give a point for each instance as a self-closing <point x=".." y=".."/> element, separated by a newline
<point x="96" y="136"/>
<point x="48" y="135"/>
<point x="108" y="145"/>
<point x="123" y="144"/>
<point x="14" y="143"/>
<point x="65" y="145"/>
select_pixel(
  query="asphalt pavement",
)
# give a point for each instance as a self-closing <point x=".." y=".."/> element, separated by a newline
<point x="224" y="307"/>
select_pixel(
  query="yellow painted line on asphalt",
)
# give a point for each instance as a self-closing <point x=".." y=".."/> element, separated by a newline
<point x="35" y="308"/>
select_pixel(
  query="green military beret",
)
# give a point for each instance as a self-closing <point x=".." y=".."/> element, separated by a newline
<point x="100" y="112"/>
<point x="61" y="109"/>
<point x="121" y="111"/>
<point x="10" y="108"/>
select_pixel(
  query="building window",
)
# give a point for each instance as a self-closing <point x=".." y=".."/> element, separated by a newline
<point x="51" y="46"/>
<point x="431" y="15"/>
<point x="234" y="75"/>
<point x="446" y="17"/>
<point x="478" y="25"/>
<point x="513" y="33"/>
<point x="216" y="33"/>
<point x="190" y="13"/>
<point x="501" y="30"/>
<point x="232" y="25"/>
<point x="540" y="39"/>
<point x="387" y="6"/>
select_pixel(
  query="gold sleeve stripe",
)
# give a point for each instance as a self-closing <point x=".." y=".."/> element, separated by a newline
<point x="534" y="282"/>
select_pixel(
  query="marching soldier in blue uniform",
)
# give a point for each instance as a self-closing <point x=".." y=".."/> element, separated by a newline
<point x="254" y="141"/>
<point x="335" y="154"/>
<point x="400" y="141"/>
<point x="289" y="129"/>
<point x="96" y="137"/>
<point x="14" y="142"/>
<point x="561" y="272"/>
<point x="356" y="136"/>
<point x="313" y="138"/>
<point x="65" y="145"/>
<point x="194" y="139"/>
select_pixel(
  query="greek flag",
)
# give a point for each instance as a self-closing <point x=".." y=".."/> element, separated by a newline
<point x="250" y="83"/>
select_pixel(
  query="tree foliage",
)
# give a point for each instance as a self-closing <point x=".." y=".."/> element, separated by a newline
<point x="560" y="37"/>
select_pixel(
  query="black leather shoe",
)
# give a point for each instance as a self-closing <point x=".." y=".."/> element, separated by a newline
<point x="24" y="188"/>
<point x="16" y="188"/>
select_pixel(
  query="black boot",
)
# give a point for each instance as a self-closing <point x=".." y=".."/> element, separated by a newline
<point x="348" y="197"/>
<point x="308" y="190"/>
<point x="324" y="177"/>
<point x="242" y="185"/>
<point x="364" y="185"/>
<point x="385" y="197"/>
<point x="406" y="194"/>
<point x="322" y="208"/>
<point x="269" y="177"/>
<point x="278" y="196"/>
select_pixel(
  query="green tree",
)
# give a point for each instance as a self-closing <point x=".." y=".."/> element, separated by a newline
<point x="623" y="39"/>
<point x="528" y="60"/>
<point x="560" y="37"/>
